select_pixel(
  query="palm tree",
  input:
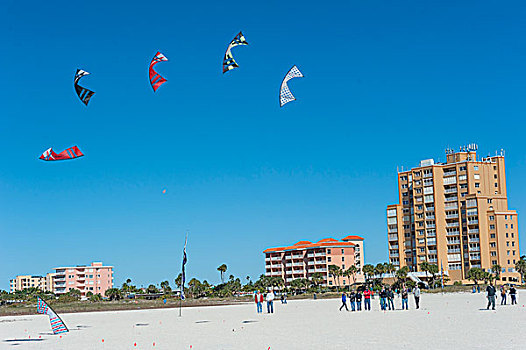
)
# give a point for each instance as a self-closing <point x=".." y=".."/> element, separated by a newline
<point x="379" y="270"/>
<point x="165" y="285"/>
<point x="113" y="294"/>
<point x="424" y="267"/>
<point x="367" y="270"/>
<point x="475" y="274"/>
<point x="222" y="269"/>
<point x="178" y="281"/>
<point x="248" y="279"/>
<point x="401" y="274"/>
<point x="317" y="279"/>
<point x="520" y="266"/>
<point x="351" y="272"/>
<point x="496" y="270"/>
<point x="433" y="270"/>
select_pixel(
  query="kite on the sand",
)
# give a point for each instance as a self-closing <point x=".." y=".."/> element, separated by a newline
<point x="228" y="61"/>
<point x="155" y="79"/>
<point x="83" y="93"/>
<point x="70" y="153"/>
<point x="285" y="95"/>
<point x="57" y="325"/>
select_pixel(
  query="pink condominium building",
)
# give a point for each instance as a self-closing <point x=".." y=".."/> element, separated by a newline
<point x="303" y="259"/>
<point x="95" y="278"/>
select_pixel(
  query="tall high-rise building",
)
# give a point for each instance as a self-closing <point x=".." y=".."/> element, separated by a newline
<point x="455" y="215"/>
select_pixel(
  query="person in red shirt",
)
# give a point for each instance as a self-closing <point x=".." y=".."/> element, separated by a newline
<point x="367" y="299"/>
<point x="258" y="298"/>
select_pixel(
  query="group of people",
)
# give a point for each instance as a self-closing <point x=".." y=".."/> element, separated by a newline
<point x="269" y="298"/>
<point x="492" y="294"/>
<point x="386" y="295"/>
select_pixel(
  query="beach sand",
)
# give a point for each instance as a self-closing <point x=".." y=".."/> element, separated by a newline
<point x="449" y="321"/>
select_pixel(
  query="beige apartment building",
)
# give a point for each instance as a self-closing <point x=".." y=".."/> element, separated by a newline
<point x="22" y="282"/>
<point x="455" y="215"/>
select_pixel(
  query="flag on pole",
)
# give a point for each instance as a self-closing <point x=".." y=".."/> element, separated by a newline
<point x="183" y="274"/>
<point x="57" y="325"/>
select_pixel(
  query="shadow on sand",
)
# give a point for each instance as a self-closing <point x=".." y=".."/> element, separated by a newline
<point x="249" y="321"/>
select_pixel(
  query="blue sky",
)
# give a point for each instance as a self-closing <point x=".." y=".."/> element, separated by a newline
<point x="240" y="173"/>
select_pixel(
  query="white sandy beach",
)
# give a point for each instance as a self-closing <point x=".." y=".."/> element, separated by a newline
<point x="450" y="321"/>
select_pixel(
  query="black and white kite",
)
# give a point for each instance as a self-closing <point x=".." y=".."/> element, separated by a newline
<point x="285" y="96"/>
<point x="228" y="61"/>
<point x="84" y="94"/>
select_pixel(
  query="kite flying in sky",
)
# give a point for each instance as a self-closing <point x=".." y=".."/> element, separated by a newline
<point x="57" y="325"/>
<point x="84" y="94"/>
<point x="70" y="153"/>
<point x="228" y="62"/>
<point x="155" y="79"/>
<point x="285" y="96"/>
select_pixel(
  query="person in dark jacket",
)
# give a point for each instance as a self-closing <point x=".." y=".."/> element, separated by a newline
<point x="352" y="300"/>
<point x="344" y="302"/>
<point x="491" y="296"/>
<point x="358" y="301"/>
<point x="513" y="295"/>
<point x="405" y="297"/>
<point x="383" y="299"/>
<point x="390" y="299"/>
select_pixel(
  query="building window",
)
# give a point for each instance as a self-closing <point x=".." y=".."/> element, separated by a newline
<point x="491" y="227"/>
<point x="343" y="258"/>
<point x="496" y="184"/>
<point x="476" y="176"/>
<point x="343" y="267"/>
<point x="491" y="217"/>
<point x="329" y="259"/>
<point x="493" y="253"/>
<point x="477" y="185"/>
<point x="476" y="167"/>
<point x="328" y="251"/>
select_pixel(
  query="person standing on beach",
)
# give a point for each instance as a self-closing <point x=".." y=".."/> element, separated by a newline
<point x="390" y="299"/>
<point x="513" y="293"/>
<point x="405" y="304"/>
<point x="416" y="293"/>
<point x="258" y="298"/>
<point x="491" y="296"/>
<point x="367" y="299"/>
<point x="270" y="301"/>
<point x="344" y="302"/>
<point x="352" y="300"/>
<point x="358" y="300"/>
<point x="383" y="299"/>
<point x="503" y="295"/>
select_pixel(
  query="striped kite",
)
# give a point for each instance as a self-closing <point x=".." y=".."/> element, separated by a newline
<point x="228" y="62"/>
<point x="285" y="96"/>
<point x="57" y="325"/>
<point x="83" y="93"/>
<point x="70" y="153"/>
<point x="155" y="79"/>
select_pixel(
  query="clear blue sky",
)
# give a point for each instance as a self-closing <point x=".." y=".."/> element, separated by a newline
<point x="241" y="174"/>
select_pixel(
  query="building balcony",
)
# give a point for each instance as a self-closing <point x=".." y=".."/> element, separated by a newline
<point x="474" y="257"/>
<point x="450" y="190"/>
<point x="310" y="255"/>
<point x="451" y="206"/>
<point x="473" y="222"/>
<point x="433" y="260"/>
<point x="474" y="240"/>
<point x="297" y="264"/>
<point x="288" y="265"/>
<point x="275" y="258"/>
<point x="432" y="251"/>
<point x="297" y="257"/>
<point x="320" y="262"/>
<point x="450" y="173"/>
<point x="319" y="254"/>
<point x="476" y="265"/>
<point x="432" y="216"/>
<point x="452" y="224"/>
<point x="394" y="255"/>
<point x="473" y="230"/>
<point x="311" y="270"/>
<point x="451" y="199"/>
<point x="456" y="241"/>
<point x="432" y="241"/>
<point x="321" y="270"/>
<point x="430" y="226"/>
<point x="428" y="175"/>
<point x="452" y="216"/>
<point x="451" y="251"/>
<point x="453" y="233"/>
<point x="431" y="235"/>
<point x="393" y="237"/>
<point x="474" y="249"/>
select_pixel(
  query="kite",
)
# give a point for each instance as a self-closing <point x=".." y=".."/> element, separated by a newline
<point x="84" y="94"/>
<point x="285" y="96"/>
<point x="155" y="79"/>
<point x="57" y="325"/>
<point x="70" y="153"/>
<point x="228" y="62"/>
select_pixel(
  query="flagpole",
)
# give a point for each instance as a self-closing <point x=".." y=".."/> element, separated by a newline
<point x="181" y="292"/>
